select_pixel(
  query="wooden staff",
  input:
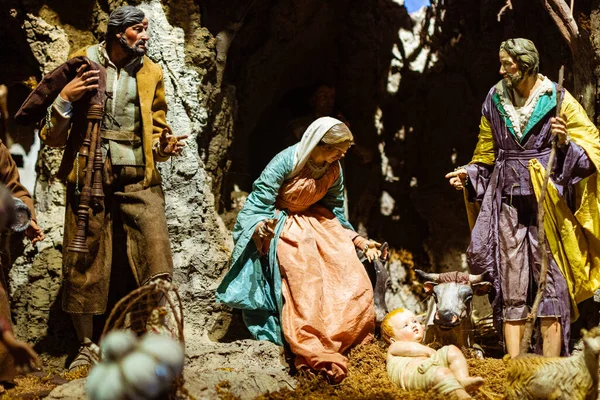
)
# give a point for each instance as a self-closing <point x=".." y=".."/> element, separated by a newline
<point x="528" y="331"/>
<point x="92" y="192"/>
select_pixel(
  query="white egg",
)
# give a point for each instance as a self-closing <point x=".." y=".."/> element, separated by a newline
<point x="117" y="344"/>
<point x="166" y="350"/>
<point x="105" y="383"/>
<point x="139" y="373"/>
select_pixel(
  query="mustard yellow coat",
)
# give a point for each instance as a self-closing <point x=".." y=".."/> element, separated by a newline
<point x="153" y="107"/>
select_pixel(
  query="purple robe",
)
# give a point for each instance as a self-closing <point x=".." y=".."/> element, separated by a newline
<point x="504" y="241"/>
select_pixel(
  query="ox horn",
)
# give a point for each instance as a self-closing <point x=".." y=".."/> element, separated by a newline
<point x="475" y="278"/>
<point x="428" y="276"/>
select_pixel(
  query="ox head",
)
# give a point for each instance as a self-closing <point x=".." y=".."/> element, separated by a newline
<point x="452" y="293"/>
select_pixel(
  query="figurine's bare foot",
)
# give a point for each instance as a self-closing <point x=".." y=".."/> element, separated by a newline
<point x="471" y="383"/>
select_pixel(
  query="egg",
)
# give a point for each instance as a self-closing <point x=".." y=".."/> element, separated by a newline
<point x="168" y="351"/>
<point x="139" y="374"/>
<point x="105" y="383"/>
<point x="117" y="344"/>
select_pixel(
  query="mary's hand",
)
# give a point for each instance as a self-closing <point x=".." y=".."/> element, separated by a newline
<point x="266" y="229"/>
<point x="372" y="250"/>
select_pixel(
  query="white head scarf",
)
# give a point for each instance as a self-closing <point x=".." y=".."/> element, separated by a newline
<point x="311" y="137"/>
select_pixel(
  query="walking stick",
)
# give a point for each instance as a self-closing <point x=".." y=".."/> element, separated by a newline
<point x="528" y="331"/>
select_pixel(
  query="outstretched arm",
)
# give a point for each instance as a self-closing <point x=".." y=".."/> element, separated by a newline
<point x="410" y="349"/>
<point x="164" y="143"/>
<point x="334" y="201"/>
<point x="474" y="177"/>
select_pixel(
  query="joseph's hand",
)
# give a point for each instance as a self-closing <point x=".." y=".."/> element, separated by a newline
<point x="457" y="178"/>
<point x="559" y="129"/>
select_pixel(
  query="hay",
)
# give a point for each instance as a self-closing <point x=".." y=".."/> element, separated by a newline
<point x="77" y="373"/>
<point x="38" y="385"/>
<point x="30" y="387"/>
<point x="367" y="379"/>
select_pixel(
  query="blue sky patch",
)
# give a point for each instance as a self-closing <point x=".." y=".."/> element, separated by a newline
<point x="415" y="5"/>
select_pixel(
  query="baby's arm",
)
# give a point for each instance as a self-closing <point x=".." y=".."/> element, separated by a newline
<point x="410" y="349"/>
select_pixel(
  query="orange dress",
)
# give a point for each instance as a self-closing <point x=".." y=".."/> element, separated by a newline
<point x="328" y="298"/>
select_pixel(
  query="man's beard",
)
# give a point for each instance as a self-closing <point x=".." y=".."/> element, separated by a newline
<point x="513" y="80"/>
<point x="133" y="50"/>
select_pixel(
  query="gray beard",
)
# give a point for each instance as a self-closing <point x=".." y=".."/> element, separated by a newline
<point x="514" y="80"/>
<point x="131" y="50"/>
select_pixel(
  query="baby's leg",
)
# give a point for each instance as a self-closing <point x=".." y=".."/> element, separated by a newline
<point x="445" y="383"/>
<point x="458" y="365"/>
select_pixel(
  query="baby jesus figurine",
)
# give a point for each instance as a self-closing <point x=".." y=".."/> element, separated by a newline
<point x="414" y="366"/>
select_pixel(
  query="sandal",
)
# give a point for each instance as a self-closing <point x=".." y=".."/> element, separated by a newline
<point x="89" y="355"/>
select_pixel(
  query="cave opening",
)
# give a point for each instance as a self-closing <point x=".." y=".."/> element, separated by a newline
<point x="285" y="64"/>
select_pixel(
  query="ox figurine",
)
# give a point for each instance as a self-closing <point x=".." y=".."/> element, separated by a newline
<point x="448" y="318"/>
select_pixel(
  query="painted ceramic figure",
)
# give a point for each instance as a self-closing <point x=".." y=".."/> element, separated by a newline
<point x="11" y="186"/>
<point x="294" y="269"/>
<point x="413" y="366"/>
<point x="130" y="229"/>
<point x="505" y="178"/>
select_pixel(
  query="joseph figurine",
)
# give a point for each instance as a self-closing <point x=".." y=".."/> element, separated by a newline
<point x="505" y="175"/>
<point x="128" y="238"/>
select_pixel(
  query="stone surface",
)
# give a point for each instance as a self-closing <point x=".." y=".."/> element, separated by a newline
<point x="400" y="292"/>
<point x="250" y="367"/>
<point x="245" y="368"/>
<point x="200" y="243"/>
<point x="49" y="44"/>
<point x="74" y="390"/>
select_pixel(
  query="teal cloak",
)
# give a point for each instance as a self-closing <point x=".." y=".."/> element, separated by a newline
<point x="252" y="283"/>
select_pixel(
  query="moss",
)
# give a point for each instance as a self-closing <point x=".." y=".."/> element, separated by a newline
<point x="38" y="385"/>
<point x="367" y="379"/>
